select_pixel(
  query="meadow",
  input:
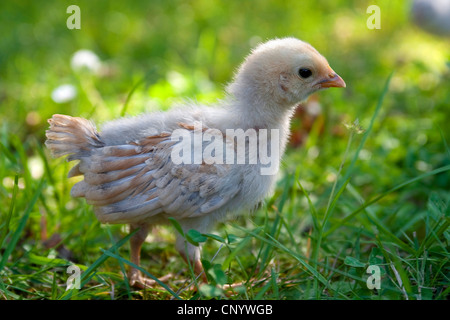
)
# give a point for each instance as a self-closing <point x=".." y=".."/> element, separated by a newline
<point x="364" y="188"/>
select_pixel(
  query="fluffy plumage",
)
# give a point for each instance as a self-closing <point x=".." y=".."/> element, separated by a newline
<point x="128" y="168"/>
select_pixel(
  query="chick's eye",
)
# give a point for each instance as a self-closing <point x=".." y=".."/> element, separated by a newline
<point x="304" y="73"/>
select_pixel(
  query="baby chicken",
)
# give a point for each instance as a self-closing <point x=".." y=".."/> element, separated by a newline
<point x="132" y="171"/>
<point x="432" y="16"/>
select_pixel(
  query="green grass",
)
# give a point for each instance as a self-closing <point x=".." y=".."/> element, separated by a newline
<point x="370" y="185"/>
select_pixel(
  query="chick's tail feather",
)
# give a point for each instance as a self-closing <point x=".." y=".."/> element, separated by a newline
<point x="72" y="136"/>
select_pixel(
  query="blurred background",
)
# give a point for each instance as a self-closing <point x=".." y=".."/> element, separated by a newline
<point x="135" y="56"/>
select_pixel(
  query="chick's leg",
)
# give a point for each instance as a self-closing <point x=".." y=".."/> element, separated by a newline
<point x="191" y="254"/>
<point x="197" y="267"/>
<point x="135" y="277"/>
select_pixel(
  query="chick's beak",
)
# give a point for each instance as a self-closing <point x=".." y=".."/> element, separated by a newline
<point x="332" y="80"/>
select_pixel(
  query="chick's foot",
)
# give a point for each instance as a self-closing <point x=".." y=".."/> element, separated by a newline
<point x="137" y="280"/>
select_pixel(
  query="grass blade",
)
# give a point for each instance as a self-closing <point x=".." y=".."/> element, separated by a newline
<point x="90" y="271"/>
<point x="274" y="243"/>
<point x="384" y="194"/>
<point x="11" y="209"/>
<point x="145" y="79"/>
<point x="23" y="221"/>
<point x="369" y="129"/>
<point x="312" y="208"/>
<point x="162" y="284"/>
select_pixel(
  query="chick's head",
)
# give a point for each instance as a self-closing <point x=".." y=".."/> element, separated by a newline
<point x="285" y="71"/>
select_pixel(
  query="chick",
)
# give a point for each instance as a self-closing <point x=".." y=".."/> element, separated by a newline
<point x="432" y="16"/>
<point x="129" y="168"/>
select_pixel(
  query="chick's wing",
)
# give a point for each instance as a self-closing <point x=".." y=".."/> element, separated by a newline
<point x="133" y="182"/>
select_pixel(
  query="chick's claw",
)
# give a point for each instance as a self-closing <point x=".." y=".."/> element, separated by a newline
<point x="137" y="280"/>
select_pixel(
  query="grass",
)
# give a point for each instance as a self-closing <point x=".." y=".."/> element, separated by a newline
<point x="369" y="186"/>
